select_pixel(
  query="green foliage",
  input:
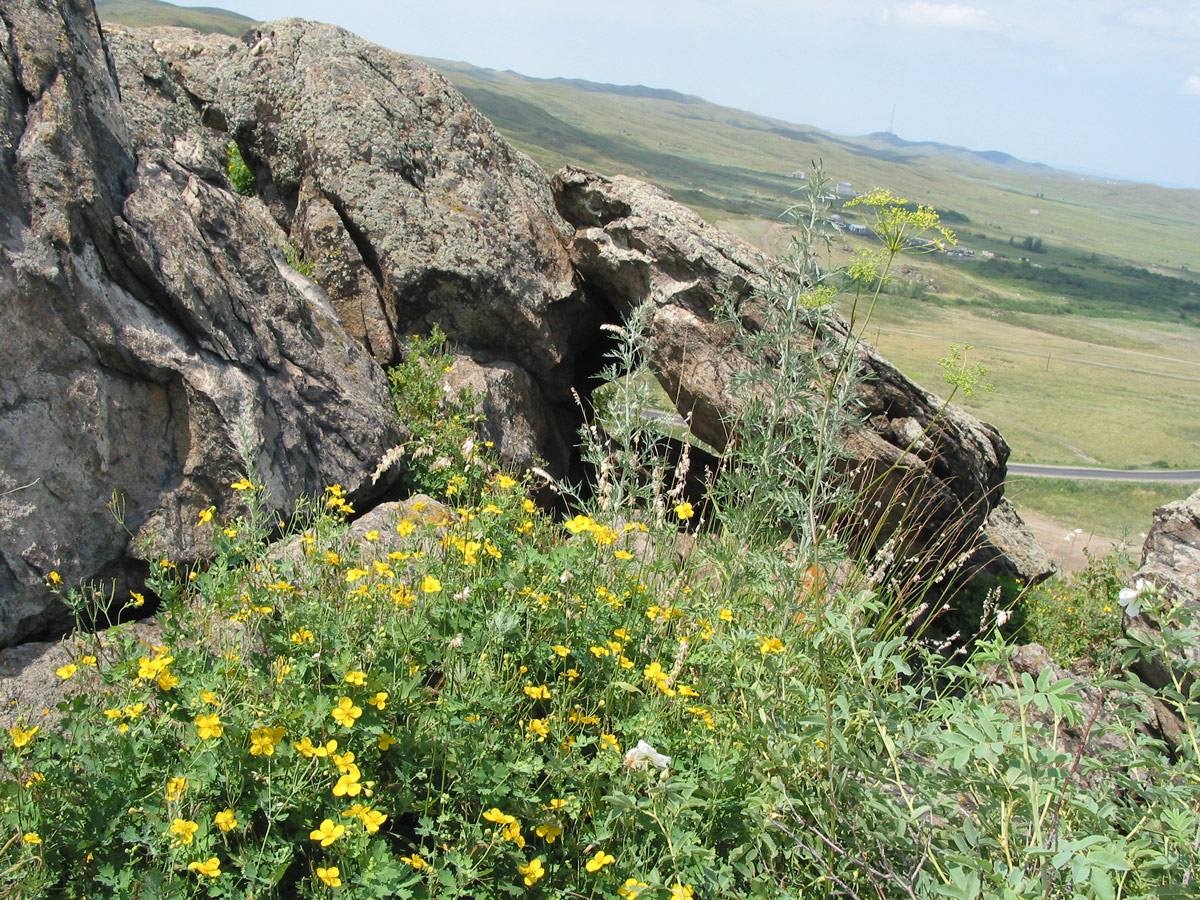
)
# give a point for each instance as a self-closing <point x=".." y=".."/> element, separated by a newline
<point x="239" y="173"/>
<point x="478" y="701"/>
<point x="1096" y="286"/>
<point x="1076" y="617"/>
<point x="441" y="454"/>
<point x="303" y="266"/>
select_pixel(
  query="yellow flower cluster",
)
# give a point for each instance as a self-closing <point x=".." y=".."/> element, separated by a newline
<point x="263" y="740"/>
<point x="209" y="726"/>
<point x="533" y="870"/>
<point x="510" y="828"/>
<point x="371" y="819"/>
<point x="336" y="500"/>
<point x="346" y="712"/>
<point x="599" y="861"/>
<point x="157" y="669"/>
<point x="21" y="736"/>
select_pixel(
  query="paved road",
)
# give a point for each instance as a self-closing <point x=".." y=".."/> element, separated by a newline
<point x="1038" y="471"/>
<point x="1030" y="469"/>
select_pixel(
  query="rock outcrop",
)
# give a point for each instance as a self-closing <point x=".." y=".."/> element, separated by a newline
<point x="1010" y="549"/>
<point x="634" y="245"/>
<point x="410" y="208"/>
<point x="1171" y="571"/>
<point x="155" y="340"/>
<point x="158" y="341"/>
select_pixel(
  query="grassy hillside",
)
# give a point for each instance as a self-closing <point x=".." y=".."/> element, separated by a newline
<point x="147" y="13"/>
<point x="730" y="163"/>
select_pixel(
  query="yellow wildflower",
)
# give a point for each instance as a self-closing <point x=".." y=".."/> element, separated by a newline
<point x="632" y="888"/>
<point x="330" y="877"/>
<point x="226" y="820"/>
<point x="346" y="712"/>
<point x="210" y="867"/>
<point x="771" y="645"/>
<point x="209" y="726"/>
<point x="263" y="741"/>
<point x="532" y="871"/>
<point x="372" y="819"/>
<point x="184" y="830"/>
<point x="599" y="861"/>
<point x="415" y="861"/>
<point x="327" y="832"/>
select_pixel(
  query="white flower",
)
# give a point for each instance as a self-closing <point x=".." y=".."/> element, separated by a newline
<point x="1129" y="598"/>
<point x="643" y="753"/>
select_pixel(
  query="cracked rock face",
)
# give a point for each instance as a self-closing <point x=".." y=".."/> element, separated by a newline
<point x="153" y="333"/>
<point x="409" y="205"/>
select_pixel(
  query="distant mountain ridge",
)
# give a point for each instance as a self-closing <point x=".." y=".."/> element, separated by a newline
<point x="883" y="145"/>
<point x="731" y="165"/>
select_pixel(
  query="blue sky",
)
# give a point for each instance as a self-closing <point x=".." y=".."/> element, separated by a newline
<point x="1095" y="86"/>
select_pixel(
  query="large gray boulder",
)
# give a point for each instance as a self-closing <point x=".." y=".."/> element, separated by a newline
<point x="634" y="245"/>
<point x="410" y="208"/>
<point x="155" y="340"/>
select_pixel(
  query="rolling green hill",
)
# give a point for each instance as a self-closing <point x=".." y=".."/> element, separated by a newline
<point x="728" y="163"/>
<point x="146" y="13"/>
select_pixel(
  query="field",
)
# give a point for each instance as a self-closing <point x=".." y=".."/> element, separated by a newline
<point x="1120" y="510"/>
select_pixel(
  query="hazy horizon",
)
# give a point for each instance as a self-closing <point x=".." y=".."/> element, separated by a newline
<point x="1101" y="88"/>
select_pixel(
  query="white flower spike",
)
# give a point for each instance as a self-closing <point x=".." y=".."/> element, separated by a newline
<point x="643" y="753"/>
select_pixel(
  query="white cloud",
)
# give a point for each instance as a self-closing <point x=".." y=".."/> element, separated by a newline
<point x="1192" y="85"/>
<point x="943" y="15"/>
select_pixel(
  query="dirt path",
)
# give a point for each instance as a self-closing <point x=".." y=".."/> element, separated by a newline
<point x="1067" y="553"/>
